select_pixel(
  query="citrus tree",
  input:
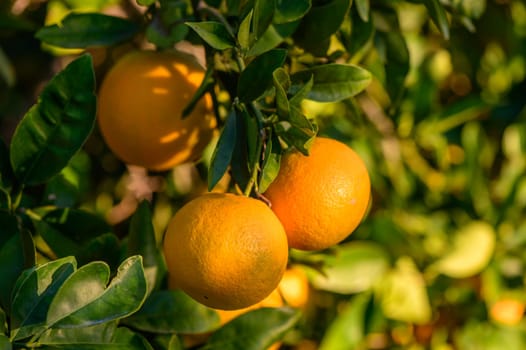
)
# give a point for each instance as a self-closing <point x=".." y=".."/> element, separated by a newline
<point x="180" y="174"/>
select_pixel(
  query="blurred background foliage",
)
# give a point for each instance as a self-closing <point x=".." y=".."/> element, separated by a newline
<point x="439" y="262"/>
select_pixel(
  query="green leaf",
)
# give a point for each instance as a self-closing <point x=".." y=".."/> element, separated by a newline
<point x="257" y="76"/>
<point x="472" y="249"/>
<point x="214" y="33"/>
<point x="275" y="35"/>
<point x="240" y="164"/>
<point x="359" y="40"/>
<point x="353" y="268"/>
<point x="403" y="295"/>
<point x="281" y="82"/>
<point x="77" y="232"/>
<point x="223" y="151"/>
<point x="438" y="15"/>
<point x="321" y="22"/>
<point x="348" y="329"/>
<point x="91" y="279"/>
<point x="142" y="241"/>
<point x="297" y="131"/>
<point x="262" y="17"/>
<point x="57" y="126"/>
<point x="3" y="322"/>
<point x="5" y="344"/>
<point x="243" y="34"/>
<point x="363" y="7"/>
<point x="123" y="339"/>
<point x="204" y="87"/>
<point x="301" y="93"/>
<point x="332" y="82"/>
<point x="146" y="2"/>
<point x="254" y="330"/>
<point x="169" y="312"/>
<point x="253" y="137"/>
<point x="271" y="162"/>
<point x="12" y="260"/>
<point x="290" y="11"/>
<point x="124" y="295"/>
<point x="82" y="30"/>
<point x="34" y="292"/>
<point x="396" y="56"/>
<point x="98" y="334"/>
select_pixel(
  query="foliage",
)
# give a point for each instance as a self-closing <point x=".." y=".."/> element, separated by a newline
<point x="430" y="93"/>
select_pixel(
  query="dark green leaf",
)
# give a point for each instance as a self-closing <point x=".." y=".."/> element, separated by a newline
<point x="164" y="37"/>
<point x="281" y="84"/>
<point x="363" y="9"/>
<point x="11" y="257"/>
<point x="302" y="93"/>
<point x="57" y="126"/>
<point x="262" y="17"/>
<point x="239" y="164"/>
<point x="332" y="82"/>
<point x="33" y="293"/>
<point x="3" y="322"/>
<point x="82" y="30"/>
<point x="254" y="330"/>
<point x="358" y="41"/>
<point x="77" y="232"/>
<point x="214" y="33"/>
<point x="438" y="15"/>
<point x="271" y="162"/>
<point x="321" y="22"/>
<point x="223" y="151"/>
<point x="257" y="76"/>
<point x="142" y="241"/>
<point x="173" y="312"/>
<point x="253" y="138"/>
<point x="396" y="56"/>
<point x="123" y="296"/>
<point x="297" y="131"/>
<point x="6" y="172"/>
<point x="290" y="11"/>
<point x="204" y="87"/>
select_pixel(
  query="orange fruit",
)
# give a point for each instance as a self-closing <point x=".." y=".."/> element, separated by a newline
<point x="140" y="105"/>
<point x="294" y="287"/>
<point x="321" y="198"/>
<point x="507" y="311"/>
<point x="225" y="251"/>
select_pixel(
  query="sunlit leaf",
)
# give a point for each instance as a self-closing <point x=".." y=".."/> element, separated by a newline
<point x="403" y="295"/>
<point x="352" y="268"/>
<point x="438" y="15"/>
<point x="472" y="249"/>
<point x="122" y="297"/>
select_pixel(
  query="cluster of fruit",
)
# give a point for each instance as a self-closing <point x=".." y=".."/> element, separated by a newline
<point x="226" y="251"/>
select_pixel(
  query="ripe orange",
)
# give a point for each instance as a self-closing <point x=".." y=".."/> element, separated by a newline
<point x="507" y="311"/>
<point x="225" y="251"/>
<point x="294" y="287"/>
<point x="321" y="198"/>
<point x="140" y="104"/>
